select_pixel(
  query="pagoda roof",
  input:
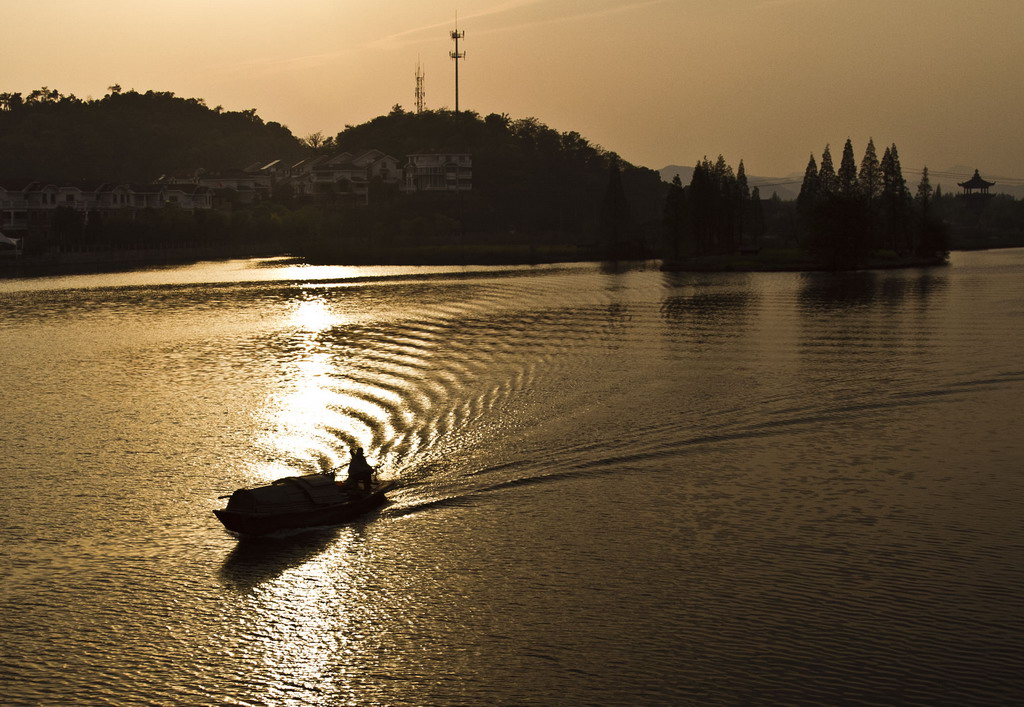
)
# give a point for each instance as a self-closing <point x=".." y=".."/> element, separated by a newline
<point x="976" y="182"/>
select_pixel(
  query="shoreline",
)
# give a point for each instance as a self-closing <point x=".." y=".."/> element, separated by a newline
<point x="86" y="262"/>
<point x="752" y="264"/>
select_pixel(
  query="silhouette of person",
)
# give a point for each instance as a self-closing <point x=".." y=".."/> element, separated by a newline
<point x="359" y="470"/>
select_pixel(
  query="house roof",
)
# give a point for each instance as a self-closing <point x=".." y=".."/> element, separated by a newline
<point x="307" y="164"/>
<point x="339" y="158"/>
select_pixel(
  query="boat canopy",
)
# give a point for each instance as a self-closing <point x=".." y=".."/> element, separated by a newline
<point x="292" y="493"/>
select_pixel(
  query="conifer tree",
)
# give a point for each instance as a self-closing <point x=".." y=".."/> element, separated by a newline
<point x="714" y="207"/>
<point x="836" y="231"/>
<point x="932" y="238"/>
<point x="827" y="180"/>
<point x="895" y="202"/>
<point x="806" y="201"/>
<point x="870" y="182"/>
<point x="924" y="190"/>
<point x="674" y="218"/>
<point x="870" y="177"/>
<point x="615" y="216"/>
<point x="757" y="225"/>
<point x="741" y="182"/>
<point x="726" y="223"/>
<point x="701" y="199"/>
<point x="847" y="176"/>
<point x="741" y="206"/>
<point x="722" y="170"/>
<point x="809" y="188"/>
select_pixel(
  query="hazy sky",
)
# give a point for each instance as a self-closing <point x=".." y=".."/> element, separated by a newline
<point x="658" y="81"/>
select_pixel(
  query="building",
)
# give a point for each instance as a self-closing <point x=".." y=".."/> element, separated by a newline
<point x="975" y="186"/>
<point x="438" y="172"/>
<point x="31" y="207"/>
<point x="343" y="176"/>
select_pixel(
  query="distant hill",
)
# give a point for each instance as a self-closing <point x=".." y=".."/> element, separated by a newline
<point x="786" y="187"/>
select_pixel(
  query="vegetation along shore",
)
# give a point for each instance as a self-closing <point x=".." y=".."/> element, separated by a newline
<point x="153" y="177"/>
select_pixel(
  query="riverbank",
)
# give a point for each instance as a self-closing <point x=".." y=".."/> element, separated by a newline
<point x="91" y="261"/>
<point x="791" y="260"/>
<point x="768" y="260"/>
<point x="457" y="254"/>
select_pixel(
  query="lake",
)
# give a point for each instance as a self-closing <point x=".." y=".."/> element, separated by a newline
<point x="617" y="486"/>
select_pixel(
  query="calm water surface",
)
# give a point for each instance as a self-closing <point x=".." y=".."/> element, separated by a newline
<point x="617" y="488"/>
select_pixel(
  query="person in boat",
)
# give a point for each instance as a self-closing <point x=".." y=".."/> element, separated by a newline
<point x="359" y="470"/>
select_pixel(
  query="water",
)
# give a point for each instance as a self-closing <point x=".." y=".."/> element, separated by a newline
<point x="617" y="488"/>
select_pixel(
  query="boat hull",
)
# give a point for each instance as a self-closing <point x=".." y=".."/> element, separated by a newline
<point x="254" y="524"/>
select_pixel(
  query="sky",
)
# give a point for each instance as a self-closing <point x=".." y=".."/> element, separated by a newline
<point x="657" y="81"/>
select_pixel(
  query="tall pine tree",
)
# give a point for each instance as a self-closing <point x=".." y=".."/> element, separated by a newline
<point x="847" y="174"/>
<point x="742" y="203"/>
<point x="808" y="188"/>
<point x="870" y="177"/>
<point x="674" y="217"/>
<point x="827" y="180"/>
<point x="932" y="238"/>
<point x="757" y="224"/>
<point x="895" y="203"/>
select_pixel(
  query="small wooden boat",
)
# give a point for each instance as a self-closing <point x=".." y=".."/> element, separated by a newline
<point x="299" y="502"/>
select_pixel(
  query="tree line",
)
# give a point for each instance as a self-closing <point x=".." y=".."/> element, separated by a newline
<point x="848" y="213"/>
<point x="717" y="213"/>
<point x="843" y="218"/>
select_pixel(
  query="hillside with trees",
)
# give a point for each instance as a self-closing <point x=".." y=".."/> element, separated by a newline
<point x="537" y="193"/>
<point x="128" y="136"/>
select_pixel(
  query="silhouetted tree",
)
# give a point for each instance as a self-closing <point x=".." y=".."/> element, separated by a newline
<point x="717" y="206"/>
<point x="932" y="236"/>
<point x="827" y="180"/>
<point x="757" y="222"/>
<point x="674" y="217"/>
<point x="615" y="217"/>
<point x="870" y="176"/>
<point x="837" y="213"/>
<point x="742" y="208"/>
<point x="870" y="182"/>
<point x="847" y="172"/>
<point x="895" y="202"/>
<point x="807" y="200"/>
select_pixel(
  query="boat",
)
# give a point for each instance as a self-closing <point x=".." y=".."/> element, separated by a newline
<point x="299" y="502"/>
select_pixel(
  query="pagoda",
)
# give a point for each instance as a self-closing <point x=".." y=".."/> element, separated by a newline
<point x="975" y="186"/>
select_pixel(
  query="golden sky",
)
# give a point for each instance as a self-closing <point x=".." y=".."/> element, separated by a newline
<point x="658" y="81"/>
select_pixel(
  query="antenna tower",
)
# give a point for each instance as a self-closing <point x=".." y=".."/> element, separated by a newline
<point x="419" y="88"/>
<point x="456" y="55"/>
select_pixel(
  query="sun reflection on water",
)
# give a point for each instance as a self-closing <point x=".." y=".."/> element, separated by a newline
<point x="311" y="621"/>
<point x="322" y="409"/>
<point x="301" y="414"/>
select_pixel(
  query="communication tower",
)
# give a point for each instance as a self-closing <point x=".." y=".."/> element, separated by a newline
<point x="456" y="55"/>
<point x="420" y="96"/>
